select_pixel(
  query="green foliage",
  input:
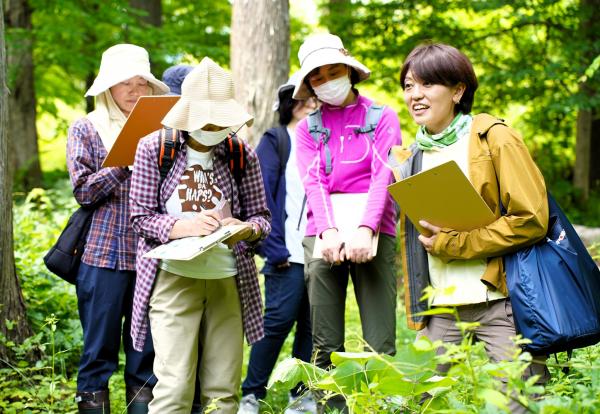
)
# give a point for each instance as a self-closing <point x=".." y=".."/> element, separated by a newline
<point x="409" y="382"/>
<point x="42" y="387"/>
<point x="38" y="220"/>
<point x="70" y="37"/>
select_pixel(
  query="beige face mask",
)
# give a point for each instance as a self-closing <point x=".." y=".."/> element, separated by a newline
<point x="335" y="91"/>
<point x="210" y="138"/>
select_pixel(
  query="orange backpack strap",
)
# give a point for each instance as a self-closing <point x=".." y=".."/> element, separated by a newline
<point x="236" y="156"/>
<point x="168" y="148"/>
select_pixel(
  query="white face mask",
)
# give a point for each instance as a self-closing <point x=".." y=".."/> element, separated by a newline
<point x="335" y="91"/>
<point x="210" y="138"/>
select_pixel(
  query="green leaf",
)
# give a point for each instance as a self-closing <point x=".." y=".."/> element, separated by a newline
<point x="437" y="311"/>
<point x="348" y="376"/>
<point x="361" y="357"/>
<point x="288" y="373"/>
<point x="493" y="397"/>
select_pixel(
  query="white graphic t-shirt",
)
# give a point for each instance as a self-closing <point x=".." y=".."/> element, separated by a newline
<point x="197" y="191"/>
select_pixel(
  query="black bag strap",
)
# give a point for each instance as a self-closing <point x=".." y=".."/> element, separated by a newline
<point x="283" y="146"/>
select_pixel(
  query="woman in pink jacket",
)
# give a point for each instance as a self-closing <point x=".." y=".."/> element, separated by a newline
<point x="342" y="157"/>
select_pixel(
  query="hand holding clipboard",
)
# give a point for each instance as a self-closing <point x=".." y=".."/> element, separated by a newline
<point x="442" y="196"/>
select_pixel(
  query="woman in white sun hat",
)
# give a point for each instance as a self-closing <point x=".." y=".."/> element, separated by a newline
<point x="215" y="297"/>
<point x="106" y="276"/>
<point x="342" y="153"/>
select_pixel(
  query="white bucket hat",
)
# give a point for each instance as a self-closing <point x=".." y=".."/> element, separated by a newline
<point x="122" y="62"/>
<point x="324" y="49"/>
<point x="207" y="98"/>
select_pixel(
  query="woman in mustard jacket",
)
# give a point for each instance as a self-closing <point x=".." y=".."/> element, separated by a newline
<point x="465" y="268"/>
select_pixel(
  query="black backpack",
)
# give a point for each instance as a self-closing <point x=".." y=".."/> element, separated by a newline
<point x="169" y="145"/>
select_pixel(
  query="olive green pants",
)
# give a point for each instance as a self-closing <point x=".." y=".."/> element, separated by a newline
<point x="375" y="290"/>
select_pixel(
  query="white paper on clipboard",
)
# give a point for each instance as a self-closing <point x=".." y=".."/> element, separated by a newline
<point x="187" y="248"/>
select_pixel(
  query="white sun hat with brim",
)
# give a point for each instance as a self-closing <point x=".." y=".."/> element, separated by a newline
<point x="324" y="49"/>
<point x="207" y="98"/>
<point x="122" y="62"/>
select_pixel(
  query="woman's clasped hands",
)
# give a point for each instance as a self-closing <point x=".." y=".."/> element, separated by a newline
<point x="358" y="249"/>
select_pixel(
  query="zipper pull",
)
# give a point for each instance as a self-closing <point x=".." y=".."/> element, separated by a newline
<point x="342" y="142"/>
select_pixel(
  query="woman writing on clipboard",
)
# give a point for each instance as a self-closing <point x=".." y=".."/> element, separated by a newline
<point x="214" y="298"/>
<point x="344" y="158"/>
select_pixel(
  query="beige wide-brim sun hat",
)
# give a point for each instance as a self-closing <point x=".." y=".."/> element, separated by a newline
<point x="324" y="49"/>
<point x="207" y="98"/>
<point x="121" y="62"/>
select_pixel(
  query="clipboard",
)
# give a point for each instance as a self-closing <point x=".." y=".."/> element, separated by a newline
<point x="444" y="197"/>
<point x="146" y="117"/>
<point x="187" y="248"/>
<point x="348" y="211"/>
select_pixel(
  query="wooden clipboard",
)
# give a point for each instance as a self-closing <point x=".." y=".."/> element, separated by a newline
<point x="146" y="117"/>
<point x="444" y="197"/>
<point x="348" y="211"/>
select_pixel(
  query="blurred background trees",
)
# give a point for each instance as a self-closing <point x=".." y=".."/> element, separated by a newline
<point x="531" y="57"/>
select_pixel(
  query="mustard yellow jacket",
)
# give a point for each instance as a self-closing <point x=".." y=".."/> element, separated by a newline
<point x="500" y="166"/>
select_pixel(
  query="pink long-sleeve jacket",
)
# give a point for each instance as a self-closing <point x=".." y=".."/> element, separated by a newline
<point x="359" y="165"/>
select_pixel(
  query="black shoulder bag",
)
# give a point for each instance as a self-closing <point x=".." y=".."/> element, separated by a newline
<point x="64" y="257"/>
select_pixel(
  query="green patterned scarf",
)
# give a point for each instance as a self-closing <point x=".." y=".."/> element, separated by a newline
<point x="448" y="136"/>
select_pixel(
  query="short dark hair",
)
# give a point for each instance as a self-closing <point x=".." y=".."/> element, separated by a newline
<point x="354" y="79"/>
<point x="286" y="105"/>
<point x="441" y="64"/>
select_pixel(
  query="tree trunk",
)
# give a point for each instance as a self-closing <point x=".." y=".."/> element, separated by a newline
<point x="22" y="132"/>
<point x="153" y="8"/>
<point x="587" y="149"/>
<point x="260" y="50"/>
<point x="12" y="306"/>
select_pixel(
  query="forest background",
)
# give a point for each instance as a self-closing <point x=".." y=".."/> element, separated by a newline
<point x="537" y="63"/>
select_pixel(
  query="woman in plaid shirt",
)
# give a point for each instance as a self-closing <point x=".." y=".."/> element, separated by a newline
<point x="213" y="298"/>
<point x="106" y="276"/>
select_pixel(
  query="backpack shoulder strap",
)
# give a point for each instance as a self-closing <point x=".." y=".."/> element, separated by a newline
<point x="169" y="146"/>
<point x="371" y="120"/>
<point x="315" y="127"/>
<point x="316" y="130"/>
<point x="283" y="146"/>
<point x="482" y="123"/>
<point x="236" y="157"/>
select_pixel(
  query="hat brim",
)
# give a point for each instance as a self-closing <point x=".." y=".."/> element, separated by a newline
<point x="191" y="115"/>
<point x="105" y="82"/>
<point x="326" y="57"/>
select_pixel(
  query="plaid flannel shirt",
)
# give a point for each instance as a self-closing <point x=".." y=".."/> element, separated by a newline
<point x="111" y="242"/>
<point x="153" y="224"/>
